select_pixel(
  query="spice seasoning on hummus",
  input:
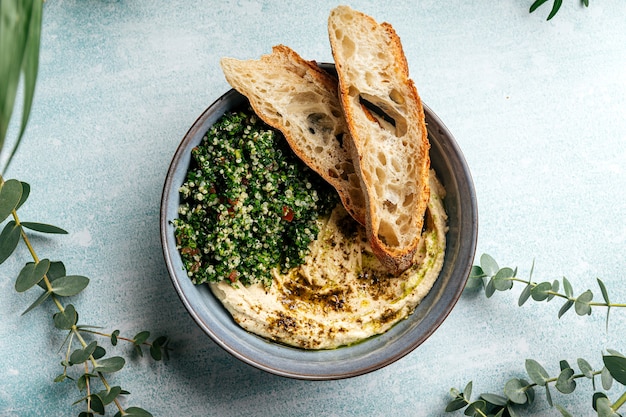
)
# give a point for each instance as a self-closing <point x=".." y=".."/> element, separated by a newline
<point x="341" y="295"/>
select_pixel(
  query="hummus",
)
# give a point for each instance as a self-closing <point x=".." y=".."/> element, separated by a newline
<point x="341" y="294"/>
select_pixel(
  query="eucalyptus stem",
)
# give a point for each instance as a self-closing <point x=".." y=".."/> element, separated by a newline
<point x="56" y="284"/>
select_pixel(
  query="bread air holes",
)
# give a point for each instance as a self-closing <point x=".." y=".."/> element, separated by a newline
<point x="383" y="114"/>
<point x="319" y="123"/>
<point x="387" y="235"/>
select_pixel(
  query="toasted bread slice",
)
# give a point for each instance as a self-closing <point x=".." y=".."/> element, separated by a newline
<point x="385" y="117"/>
<point x="301" y="100"/>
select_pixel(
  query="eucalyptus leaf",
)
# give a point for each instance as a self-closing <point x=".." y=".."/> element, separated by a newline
<point x="603" y="406"/>
<point x="617" y="367"/>
<point x="43" y="297"/>
<point x="502" y="279"/>
<point x="524" y="295"/>
<point x="596" y="397"/>
<point x="606" y="378"/>
<point x="100" y="352"/>
<point x="81" y="355"/>
<point x="69" y="285"/>
<point x="114" y="336"/>
<point x="455" y="405"/>
<point x="477" y="272"/>
<point x="494" y="399"/>
<point x="615" y="352"/>
<point x="490" y="289"/>
<point x="107" y="396"/>
<point x="134" y="412"/>
<point x="141" y="337"/>
<point x="10" y="196"/>
<point x="44" y="228"/>
<point x="541" y="291"/>
<point x="56" y="270"/>
<point x="64" y="320"/>
<point x="582" y="303"/>
<point x="9" y="238"/>
<point x="555" y="290"/>
<point x="565" y="308"/>
<point x="603" y="290"/>
<point x="489" y="265"/>
<point x="567" y="287"/>
<point x="536" y="372"/>
<point x="96" y="404"/>
<point x="565" y="382"/>
<point x="549" y="396"/>
<point x="31" y="274"/>
<point x="112" y="364"/>
<point x="476" y="408"/>
<point x="585" y="368"/>
<point x="515" y="390"/>
<point x="25" y="194"/>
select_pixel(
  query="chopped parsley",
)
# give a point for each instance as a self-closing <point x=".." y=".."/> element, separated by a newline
<point x="248" y="204"/>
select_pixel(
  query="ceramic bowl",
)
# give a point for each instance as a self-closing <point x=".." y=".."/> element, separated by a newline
<point x="367" y="356"/>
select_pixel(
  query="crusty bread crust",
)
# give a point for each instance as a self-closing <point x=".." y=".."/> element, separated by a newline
<point x="301" y="100"/>
<point x="385" y="116"/>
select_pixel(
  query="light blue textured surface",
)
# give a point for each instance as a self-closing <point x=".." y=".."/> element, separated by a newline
<point x="539" y="109"/>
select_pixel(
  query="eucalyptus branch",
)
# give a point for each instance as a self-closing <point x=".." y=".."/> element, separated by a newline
<point x="490" y="277"/>
<point x="518" y="393"/>
<point x="556" y="6"/>
<point x="51" y="277"/>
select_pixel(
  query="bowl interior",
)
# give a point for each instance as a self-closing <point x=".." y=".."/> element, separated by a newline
<point x="373" y="353"/>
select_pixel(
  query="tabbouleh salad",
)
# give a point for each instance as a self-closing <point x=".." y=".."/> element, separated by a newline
<point x="248" y="204"/>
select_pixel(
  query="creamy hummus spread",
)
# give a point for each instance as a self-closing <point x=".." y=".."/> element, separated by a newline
<point x="341" y="294"/>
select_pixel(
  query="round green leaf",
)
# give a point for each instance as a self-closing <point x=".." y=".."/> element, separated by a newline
<point x="555" y="289"/>
<point x="10" y="197"/>
<point x="502" y="279"/>
<point x="536" y="372"/>
<point x="515" y="390"/>
<point x="31" y="274"/>
<point x="81" y="355"/>
<point x="141" y="337"/>
<point x="585" y="368"/>
<point x="565" y="382"/>
<point x="107" y="397"/>
<point x="489" y="265"/>
<point x="541" y="291"/>
<point x="69" y="285"/>
<point x="112" y="364"/>
<point x="64" y="320"/>
<point x="581" y="305"/>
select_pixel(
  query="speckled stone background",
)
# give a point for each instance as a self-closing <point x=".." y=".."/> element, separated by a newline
<point x="538" y="108"/>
